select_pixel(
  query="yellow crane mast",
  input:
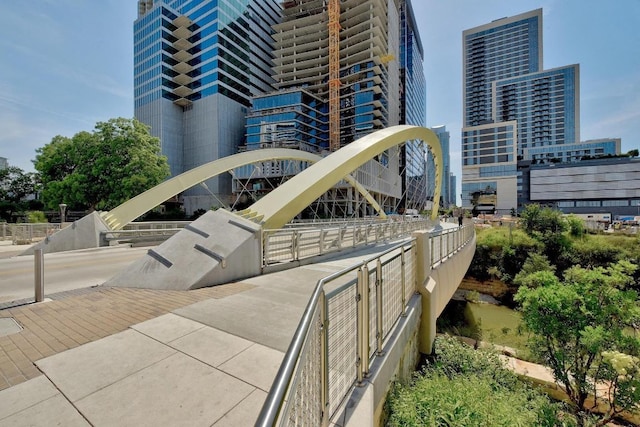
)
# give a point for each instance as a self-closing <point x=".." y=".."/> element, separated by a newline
<point x="334" y="74"/>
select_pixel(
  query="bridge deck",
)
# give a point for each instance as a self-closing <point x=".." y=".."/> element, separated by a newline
<point x="208" y="363"/>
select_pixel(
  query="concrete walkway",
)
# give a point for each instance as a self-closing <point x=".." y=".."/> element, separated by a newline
<point x="135" y="357"/>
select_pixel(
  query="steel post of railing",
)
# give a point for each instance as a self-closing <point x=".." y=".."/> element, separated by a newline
<point x="295" y="247"/>
<point x="361" y="329"/>
<point x="265" y="245"/>
<point x="38" y="257"/>
<point x="403" y="281"/>
<point x="379" y="324"/>
<point x="321" y="241"/>
<point x="261" y="248"/>
<point x="355" y="233"/>
<point x="431" y="243"/>
<point x="366" y="288"/>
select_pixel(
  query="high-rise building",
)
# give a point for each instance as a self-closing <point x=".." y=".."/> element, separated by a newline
<point x="4" y="163"/>
<point x="313" y="75"/>
<point x="197" y="64"/>
<point x="511" y="108"/>
<point x="378" y="57"/>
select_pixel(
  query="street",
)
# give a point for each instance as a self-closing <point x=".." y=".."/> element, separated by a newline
<point x="63" y="271"/>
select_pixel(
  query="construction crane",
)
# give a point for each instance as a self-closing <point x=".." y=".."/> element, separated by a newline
<point x="334" y="75"/>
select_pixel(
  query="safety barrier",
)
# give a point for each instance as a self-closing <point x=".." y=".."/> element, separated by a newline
<point x="344" y="327"/>
<point x="27" y="233"/>
<point x="296" y="243"/>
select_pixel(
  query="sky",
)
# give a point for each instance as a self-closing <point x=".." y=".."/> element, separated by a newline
<point x="67" y="64"/>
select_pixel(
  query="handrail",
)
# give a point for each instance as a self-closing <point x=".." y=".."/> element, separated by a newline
<point x="271" y="409"/>
<point x="287" y="373"/>
<point x="273" y="405"/>
<point x="296" y="243"/>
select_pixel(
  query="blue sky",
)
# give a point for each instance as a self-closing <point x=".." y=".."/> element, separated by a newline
<point x="67" y="64"/>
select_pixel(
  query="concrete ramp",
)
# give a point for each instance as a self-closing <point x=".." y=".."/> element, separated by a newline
<point x="217" y="248"/>
<point x="81" y="234"/>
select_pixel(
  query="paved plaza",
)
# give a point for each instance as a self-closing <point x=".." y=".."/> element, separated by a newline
<point x="115" y="356"/>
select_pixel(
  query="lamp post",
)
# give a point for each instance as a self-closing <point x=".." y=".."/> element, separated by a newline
<point x="63" y="210"/>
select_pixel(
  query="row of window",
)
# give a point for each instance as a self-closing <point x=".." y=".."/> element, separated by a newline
<point x="597" y="203"/>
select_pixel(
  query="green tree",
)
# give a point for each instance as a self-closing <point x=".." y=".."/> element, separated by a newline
<point x="547" y="226"/>
<point x="15" y="187"/>
<point x="576" y="226"/>
<point x="100" y="169"/>
<point x="577" y="324"/>
<point x="537" y="220"/>
<point x="15" y="184"/>
<point x="535" y="263"/>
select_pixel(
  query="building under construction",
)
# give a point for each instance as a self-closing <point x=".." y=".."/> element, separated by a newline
<point x="342" y="69"/>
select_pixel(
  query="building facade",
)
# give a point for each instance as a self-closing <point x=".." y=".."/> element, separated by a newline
<point x="214" y="77"/>
<point x="197" y="64"/>
<point x="591" y="186"/>
<point x="512" y="108"/>
<point x="381" y="84"/>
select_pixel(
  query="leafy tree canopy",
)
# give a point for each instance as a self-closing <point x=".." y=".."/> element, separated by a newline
<point x="15" y="184"/>
<point x="15" y="187"/>
<point x="536" y="220"/>
<point x="100" y="169"/>
<point x="582" y="328"/>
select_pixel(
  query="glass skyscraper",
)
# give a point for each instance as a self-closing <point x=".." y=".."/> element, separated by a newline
<point x="197" y="64"/>
<point x="214" y="77"/>
<point x="510" y="105"/>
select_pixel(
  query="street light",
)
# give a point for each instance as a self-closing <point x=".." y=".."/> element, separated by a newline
<point x="63" y="209"/>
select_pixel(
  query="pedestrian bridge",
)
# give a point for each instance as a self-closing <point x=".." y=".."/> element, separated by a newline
<point x="364" y="325"/>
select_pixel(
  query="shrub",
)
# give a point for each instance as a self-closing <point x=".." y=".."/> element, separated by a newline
<point x="465" y="387"/>
<point x="36" y="217"/>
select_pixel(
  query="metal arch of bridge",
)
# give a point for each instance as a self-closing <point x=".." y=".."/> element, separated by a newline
<point x="282" y="204"/>
<point x="120" y="216"/>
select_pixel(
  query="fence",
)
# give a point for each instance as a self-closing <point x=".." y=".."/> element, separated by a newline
<point x="141" y="232"/>
<point x="344" y="327"/>
<point x="296" y="243"/>
<point x="26" y="233"/>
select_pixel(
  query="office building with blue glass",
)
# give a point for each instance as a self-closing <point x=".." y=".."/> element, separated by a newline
<point x="197" y="65"/>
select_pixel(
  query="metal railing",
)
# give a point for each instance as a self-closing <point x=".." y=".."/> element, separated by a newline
<point x="344" y="327"/>
<point x="303" y="241"/>
<point x="27" y="233"/>
<point x="148" y="231"/>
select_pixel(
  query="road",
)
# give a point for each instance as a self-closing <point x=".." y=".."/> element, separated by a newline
<point x="63" y="271"/>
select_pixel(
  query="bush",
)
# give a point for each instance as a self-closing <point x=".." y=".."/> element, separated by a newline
<point x="36" y="217"/>
<point x="465" y="387"/>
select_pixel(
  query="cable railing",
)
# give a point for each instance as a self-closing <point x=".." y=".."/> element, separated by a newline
<point x="345" y="325"/>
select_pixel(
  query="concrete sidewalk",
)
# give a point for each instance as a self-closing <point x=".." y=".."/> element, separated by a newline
<point x="147" y="358"/>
